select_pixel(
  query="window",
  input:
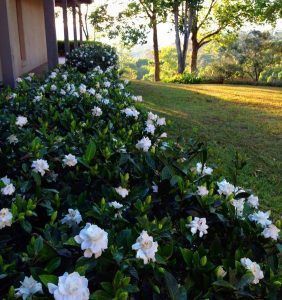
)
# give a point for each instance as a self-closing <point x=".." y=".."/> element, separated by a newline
<point x="21" y="29"/>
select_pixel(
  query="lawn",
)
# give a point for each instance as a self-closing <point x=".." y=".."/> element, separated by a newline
<point x="230" y="118"/>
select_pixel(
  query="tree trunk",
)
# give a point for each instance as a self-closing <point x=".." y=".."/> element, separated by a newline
<point x="177" y="38"/>
<point x="156" y="49"/>
<point x="80" y="24"/>
<point x="195" y="48"/>
<point x="74" y="23"/>
<point x="194" y="58"/>
<point x="66" y="30"/>
<point x="187" y="20"/>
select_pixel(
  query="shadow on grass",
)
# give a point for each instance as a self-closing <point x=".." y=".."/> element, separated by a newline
<point x="254" y="129"/>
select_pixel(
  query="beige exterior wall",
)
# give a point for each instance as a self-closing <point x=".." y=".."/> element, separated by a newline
<point x="34" y="35"/>
<point x="0" y="71"/>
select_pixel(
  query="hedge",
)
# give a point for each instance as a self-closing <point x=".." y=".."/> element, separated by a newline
<point x="97" y="203"/>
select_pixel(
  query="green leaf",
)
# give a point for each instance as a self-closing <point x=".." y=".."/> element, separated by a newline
<point x="90" y="151"/>
<point x="100" y="295"/>
<point x="37" y="178"/>
<point x="38" y="245"/>
<point x="26" y="226"/>
<point x="187" y="256"/>
<point x="175" y="292"/>
<point x="224" y="284"/>
<point x="245" y="280"/>
<point x="45" y="279"/>
<point x="53" y="265"/>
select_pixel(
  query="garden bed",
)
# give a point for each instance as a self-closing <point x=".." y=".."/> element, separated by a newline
<point x="97" y="203"/>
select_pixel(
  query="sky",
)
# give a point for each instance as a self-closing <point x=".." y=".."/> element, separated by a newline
<point x="166" y="34"/>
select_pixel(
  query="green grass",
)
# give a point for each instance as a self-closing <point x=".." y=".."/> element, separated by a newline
<point x="230" y="118"/>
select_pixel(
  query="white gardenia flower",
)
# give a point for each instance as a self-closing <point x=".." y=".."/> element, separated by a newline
<point x="150" y="128"/>
<point x="107" y="84"/>
<point x="70" y="160"/>
<point x="8" y="190"/>
<point x="225" y="188"/>
<point x="155" y="188"/>
<point x="73" y="217"/>
<point x="37" y="98"/>
<point x="203" y="170"/>
<point x="122" y="191"/>
<point x="6" y="218"/>
<point x="239" y="206"/>
<point x="53" y="88"/>
<point x="53" y="75"/>
<point x="21" y="121"/>
<point x="96" y="111"/>
<point x="163" y="135"/>
<point x="82" y="89"/>
<point x="261" y="218"/>
<point x="202" y="191"/>
<point x="146" y="247"/>
<point x="271" y="232"/>
<point x="137" y="98"/>
<point x="105" y="101"/>
<point x="161" y="121"/>
<point x="144" y="144"/>
<point x="63" y="92"/>
<point x="254" y="268"/>
<point x="99" y="97"/>
<point x="28" y="288"/>
<point x="93" y="240"/>
<point x="12" y="139"/>
<point x="40" y="166"/>
<point x="115" y="205"/>
<point x="199" y="224"/>
<point x="19" y="80"/>
<point x="70" y="287"/>
<point x="131" y="112"/>
<point x="253" y="201"/>
<point x="152" y="116"/>
<point x="6" y="180"/>
<point x="92" y="92"/>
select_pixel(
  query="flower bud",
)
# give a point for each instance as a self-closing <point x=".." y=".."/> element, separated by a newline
<point x="189" y="219"/>
<point x="203" y="261"/>
<point x="220" y="272"/>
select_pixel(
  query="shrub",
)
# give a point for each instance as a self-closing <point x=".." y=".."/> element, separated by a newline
<point x="185" y="78"/>
<point x="272" y="75"/>
<point x="90" y="56"/>
<point x="96" y="200"/>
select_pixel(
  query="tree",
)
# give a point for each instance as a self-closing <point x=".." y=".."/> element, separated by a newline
<point x="154" y="12"/>
<point x="183" y="14"/>
<point x="210" y="20"/>
<point x="101" y="20"/>
<point x="255" y="51"/>
<point x="83" y="21"/>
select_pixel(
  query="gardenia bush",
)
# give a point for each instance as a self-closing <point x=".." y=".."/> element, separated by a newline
<point x="89" y="56"/>
<point x="97" y="203"/>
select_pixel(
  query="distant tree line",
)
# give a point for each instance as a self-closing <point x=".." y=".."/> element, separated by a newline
<point x="196" y="23"/>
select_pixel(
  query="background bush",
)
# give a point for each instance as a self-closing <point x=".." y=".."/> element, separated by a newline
<point x="92" y="55"/>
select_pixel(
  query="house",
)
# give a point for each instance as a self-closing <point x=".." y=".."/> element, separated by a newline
<point x="28" y="35"/>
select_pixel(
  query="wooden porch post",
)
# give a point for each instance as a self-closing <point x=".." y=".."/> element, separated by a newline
<point x="50" y="32"/>
<point x="80" y="24"/>
<point x="6" y="56"/>
<point x="66" y="30"/>
<point x="74" y="23"/>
